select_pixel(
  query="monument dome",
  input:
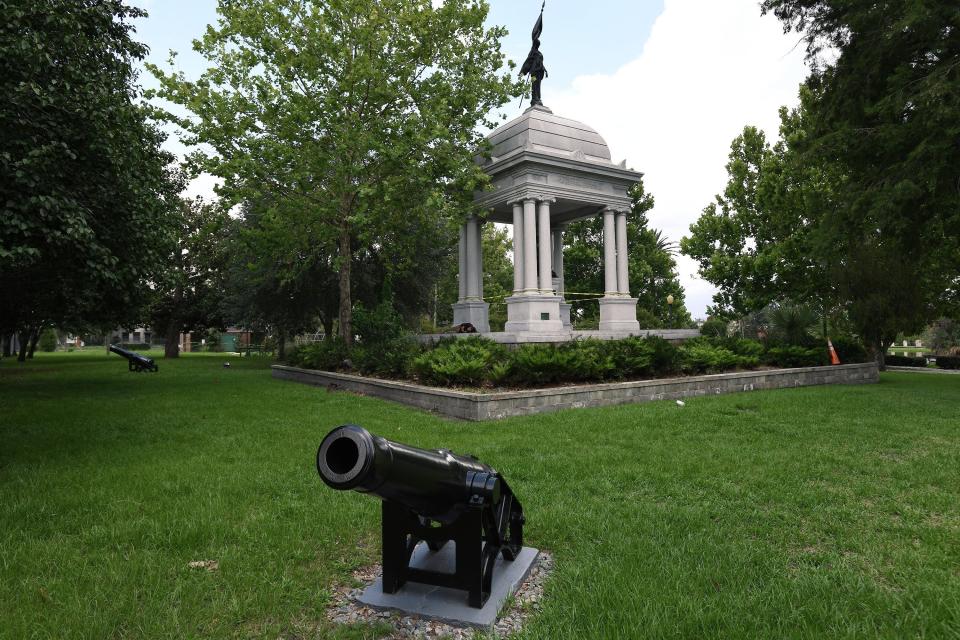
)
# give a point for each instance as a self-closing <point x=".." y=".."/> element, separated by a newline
<point x="539" y="130"/>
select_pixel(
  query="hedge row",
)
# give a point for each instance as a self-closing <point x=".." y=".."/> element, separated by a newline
<point x="905" y="361"/>
<point x="482" y="362"/>
<point x="948" y="362"/>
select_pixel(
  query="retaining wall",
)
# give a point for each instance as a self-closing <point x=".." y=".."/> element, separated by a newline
<point x="492" y="406"/>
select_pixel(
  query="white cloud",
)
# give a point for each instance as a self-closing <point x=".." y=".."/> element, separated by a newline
<point x="708" y="68"/>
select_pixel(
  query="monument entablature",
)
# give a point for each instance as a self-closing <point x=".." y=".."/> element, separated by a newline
<point x="542" y="155"/>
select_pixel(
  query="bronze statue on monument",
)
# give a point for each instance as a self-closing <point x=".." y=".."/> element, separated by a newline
<point x="533" y="65"/>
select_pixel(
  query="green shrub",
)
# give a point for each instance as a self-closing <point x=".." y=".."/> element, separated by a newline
<point x="793" y="324"/>
<point x="742" y="347"/>
<point x="699" y="356"/>
<point x="588" y="361"/>
<point x="714" y="328"/>
<point x="665" y="358"/>
<point x="948" y="362"/>
<point x="850" y="350"/>
<point x="540" y="364"/>
<point x="328" y="355"/>
<point x="393" y="358"/>
<point x="477" y="361"/>
<point x="380" y="325"/>
<point x="796" y="356"/>
<point x="647" y="319"/>
<point x="466" y="361"/>
<point x="630" y="357"/>
<point x="500" y="372"/>
<point x="48" y="341"/>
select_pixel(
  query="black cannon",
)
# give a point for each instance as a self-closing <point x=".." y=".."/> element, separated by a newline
<point x="430" y="496"/>
<point x="135" y="361"/>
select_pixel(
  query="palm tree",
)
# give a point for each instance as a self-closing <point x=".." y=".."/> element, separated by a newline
<point x="662" y="243"/>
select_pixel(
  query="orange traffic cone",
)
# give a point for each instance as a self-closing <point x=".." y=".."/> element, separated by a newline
<point x="834" y="358"/>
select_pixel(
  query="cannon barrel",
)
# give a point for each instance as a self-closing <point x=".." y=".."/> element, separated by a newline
<point x="120" y="351"/>
<point x="435" y="484"/>
<point x="135" y="361"/>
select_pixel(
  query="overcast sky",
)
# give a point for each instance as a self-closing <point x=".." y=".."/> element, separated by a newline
<point x="667" y="83"/>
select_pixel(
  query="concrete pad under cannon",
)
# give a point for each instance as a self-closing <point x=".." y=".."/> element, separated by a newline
<point x="450" y="605"/>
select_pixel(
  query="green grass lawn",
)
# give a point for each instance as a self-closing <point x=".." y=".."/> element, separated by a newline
<point x="809" y="513"/>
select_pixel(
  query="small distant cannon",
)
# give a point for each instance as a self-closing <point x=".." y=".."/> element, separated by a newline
<point x="430" y="496"/>
<point x="135" y="361"/>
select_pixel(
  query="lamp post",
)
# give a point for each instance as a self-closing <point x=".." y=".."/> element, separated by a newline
<point x="670" y="307"/>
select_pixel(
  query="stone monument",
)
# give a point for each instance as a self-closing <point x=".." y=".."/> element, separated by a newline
<point x="546" y="172"/>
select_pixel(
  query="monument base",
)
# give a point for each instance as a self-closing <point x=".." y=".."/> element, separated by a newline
<point x="533" y="314"/>
<point x="619" y="314"/>
<point x="565" y="315"/>
<point x="450" y="605"/>
<point x="476" y="312"/>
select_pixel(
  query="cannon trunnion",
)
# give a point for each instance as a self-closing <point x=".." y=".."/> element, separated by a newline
<point x="430" y="496"/>
<point x="135" y="361"/>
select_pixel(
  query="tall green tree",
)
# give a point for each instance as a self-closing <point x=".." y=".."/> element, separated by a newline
<point x="280" y="279"/>
<point x="364" y="112"/>
<point x="85" y="199"/>
<point x="887" y="112"/>
<point x="653" y="270"/>
<point x="188" y="296"/>
<point x="758" y="242"/>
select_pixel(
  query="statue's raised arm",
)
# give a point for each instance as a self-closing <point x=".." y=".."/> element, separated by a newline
<point x="533" y="65"/>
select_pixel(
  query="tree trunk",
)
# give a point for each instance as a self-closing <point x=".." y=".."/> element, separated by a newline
<point x="7" y="345"/>
<point x="327" y="321"/>
<point x="881" y="354"/>
<point x="172" y="335"/>
<point x="34" y="339"/>
<point x="346" y="306"/>
<point x="281" y="344"/>
<point x="24" y="338"/>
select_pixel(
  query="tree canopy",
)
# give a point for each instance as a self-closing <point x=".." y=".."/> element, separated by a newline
<point x="363" y="113"/>
<point x="86" y="195"/>
<point x="758" y="242"/>
<point x="856" y="209"/>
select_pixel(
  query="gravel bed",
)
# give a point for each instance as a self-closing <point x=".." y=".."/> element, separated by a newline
<point x="526" y="602"/>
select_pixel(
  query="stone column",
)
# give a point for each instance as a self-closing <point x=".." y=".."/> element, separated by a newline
<point x="473" y="292"/>
<point x="609" y="254"/>
<point x="558" y="267"/>
<point x="618" y="311"/>
<point x="479" y="259"/>
<point x="529" y="246"/>
<point x="558" y="256"/>
<point x="546" y="264"/>
<point x="623" y="282"/>
<point x="462" y="278"/>
<point x="517" y="247"/>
